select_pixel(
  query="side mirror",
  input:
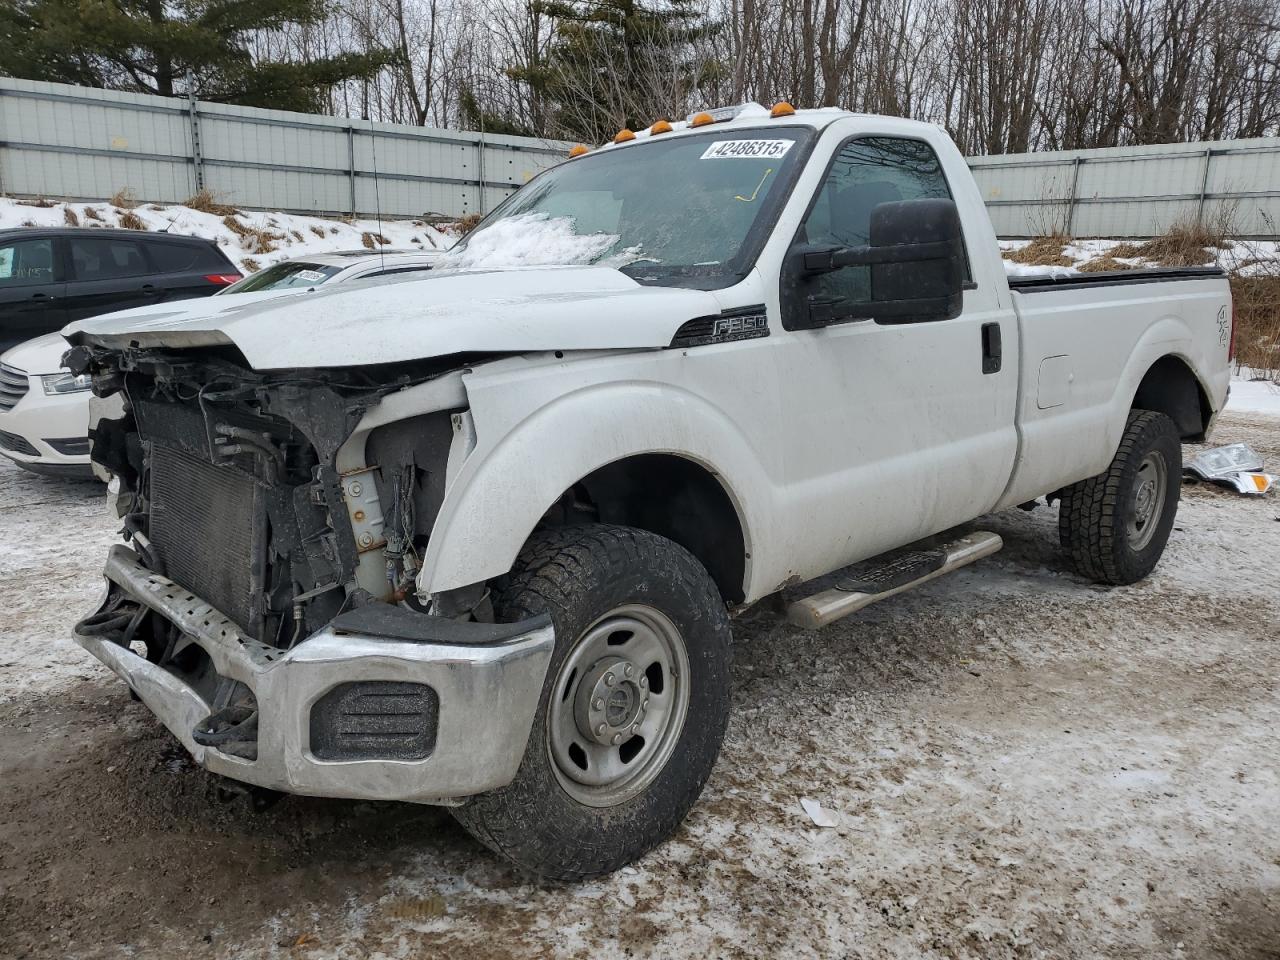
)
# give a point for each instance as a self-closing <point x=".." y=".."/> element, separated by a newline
<point x="916" y="262"/>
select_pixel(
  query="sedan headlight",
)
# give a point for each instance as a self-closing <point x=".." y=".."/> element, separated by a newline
<point x="59" y="383"/>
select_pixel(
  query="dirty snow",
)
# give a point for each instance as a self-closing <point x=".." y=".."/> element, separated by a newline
<point x="291" y="235"/>
<point x="1253" y="392"/>
<point x="1019" y="764"/>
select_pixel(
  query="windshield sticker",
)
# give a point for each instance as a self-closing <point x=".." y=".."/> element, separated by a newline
<point x="311" y="276"/>
<point x="746" y="150"/>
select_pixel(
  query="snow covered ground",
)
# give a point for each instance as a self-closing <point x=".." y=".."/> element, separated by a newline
<point x="246" y="242"/>
<point x="1019" y="764"/>
<point x="1246" y="257"/>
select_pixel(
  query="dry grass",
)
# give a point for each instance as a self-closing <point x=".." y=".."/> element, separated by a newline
<point x="468" y="223"/>
<point x="253" y="239"/>
<point x="1257" y="309"/>
<point x="1103" y="264"/>
<point x="206" y="201"/>
<point x="298" y="237"/>
<point x="69" y="217"/>
<point x="91" y="213"/>
<point x="317" y="230"/>
<point x="371" y="240"/>
<point x="250" y="265"/>
<point x="130" y="220"/>
<point x="44" y="203"/>
<point x="124" y="197"/>
<point x="1041" y="252"/>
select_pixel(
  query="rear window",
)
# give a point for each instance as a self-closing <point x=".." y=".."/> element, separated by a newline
<point x="104" y="258"/>
<point x="185" y="258"/>
<point x="293" y="273"/>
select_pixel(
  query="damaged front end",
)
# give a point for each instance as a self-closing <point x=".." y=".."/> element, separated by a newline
<point x="264" y="608"/>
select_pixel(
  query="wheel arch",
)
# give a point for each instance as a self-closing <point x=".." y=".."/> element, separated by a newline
<point x="592" y="441"/>
<point x="1170" y="386"/>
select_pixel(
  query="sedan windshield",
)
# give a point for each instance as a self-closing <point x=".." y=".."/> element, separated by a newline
<point x="684" y="207"/>
<point x="291" y="273"/>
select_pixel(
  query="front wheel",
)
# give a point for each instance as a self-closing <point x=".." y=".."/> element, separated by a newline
<point x="633" y="709"/>
<point x="1114" y="526"/>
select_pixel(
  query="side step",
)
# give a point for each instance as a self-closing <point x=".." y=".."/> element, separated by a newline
<point x="895" y="574"/>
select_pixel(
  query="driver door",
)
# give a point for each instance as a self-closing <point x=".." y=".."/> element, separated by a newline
<point x="898" y="431"/>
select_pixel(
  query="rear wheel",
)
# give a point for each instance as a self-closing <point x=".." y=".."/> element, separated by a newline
<point x="1115" y="526"/>
<point x="633" y="708"/>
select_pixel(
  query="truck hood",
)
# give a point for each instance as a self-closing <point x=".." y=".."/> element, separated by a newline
<point x="542" y="308"/>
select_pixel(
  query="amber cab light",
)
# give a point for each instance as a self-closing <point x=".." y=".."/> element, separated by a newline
<point x="782" y="109"/>
<point x="701" y="119"/>
<point x="624" y="135"/>
<point x="578" y="150"/>
<point x="660" y="126"/>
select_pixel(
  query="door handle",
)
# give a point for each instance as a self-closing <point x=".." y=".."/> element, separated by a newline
<point x="992" y="354"/>
<point x="42" y="296"/>
<point x="150" y="289"/>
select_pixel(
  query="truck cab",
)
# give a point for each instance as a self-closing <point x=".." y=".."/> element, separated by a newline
<point x="478" y="538"/>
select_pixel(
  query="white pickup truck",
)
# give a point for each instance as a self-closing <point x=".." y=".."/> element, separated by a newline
<point x="478" y="539"/>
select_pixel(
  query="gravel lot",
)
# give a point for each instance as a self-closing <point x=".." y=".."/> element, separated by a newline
<point x="1020" y="764"/>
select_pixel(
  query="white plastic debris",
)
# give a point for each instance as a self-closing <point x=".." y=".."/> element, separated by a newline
<point x="1252" y="483"/>
<point x="1220" y="462"/>
<point x="1237" y="466"/>
<point x="819" y="816"/>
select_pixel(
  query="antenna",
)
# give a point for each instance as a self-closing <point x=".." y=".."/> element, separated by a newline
<point x="377" y="200"/>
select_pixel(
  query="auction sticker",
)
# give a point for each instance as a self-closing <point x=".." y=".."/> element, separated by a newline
<point x="746" y="150"/>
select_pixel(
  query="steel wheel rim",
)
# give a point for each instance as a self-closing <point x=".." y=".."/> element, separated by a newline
<point x="618" y="705"/>
<point x="1151" y="485"/>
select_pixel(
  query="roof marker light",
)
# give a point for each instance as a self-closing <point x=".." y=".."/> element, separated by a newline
<point x="660" y="126"/>
<point x="578" y="150"/>
<point x="624" y="135"/>
<point x="701" y="119"/>
<point x="782" y="109"/>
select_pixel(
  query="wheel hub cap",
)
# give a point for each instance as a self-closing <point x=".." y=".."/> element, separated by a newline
<point x="611" y="700"/>
<point x="618" y="705"/>
<point x="1149" y="492"/>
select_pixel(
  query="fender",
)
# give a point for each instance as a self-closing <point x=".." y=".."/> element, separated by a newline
<point x="516" y="472"/>
<point x="1168" y="337"/>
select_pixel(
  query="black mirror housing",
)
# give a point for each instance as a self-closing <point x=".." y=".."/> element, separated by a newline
<point x="916" y="258"/>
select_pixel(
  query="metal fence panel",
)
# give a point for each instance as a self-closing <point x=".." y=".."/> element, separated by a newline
<point x="1135" y="191"/>
<point x="63" y="141"/>
<point x="82" y="143"/>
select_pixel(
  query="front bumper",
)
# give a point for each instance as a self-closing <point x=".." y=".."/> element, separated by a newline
<point x="48" y="434"/>
<point x="487" y="694"/>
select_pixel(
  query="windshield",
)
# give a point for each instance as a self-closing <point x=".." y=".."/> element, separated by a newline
<point x="686" y="207"/>
<point x="292" y="273"/>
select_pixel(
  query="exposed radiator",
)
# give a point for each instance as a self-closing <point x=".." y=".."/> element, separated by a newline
<point x="208" y="526"/>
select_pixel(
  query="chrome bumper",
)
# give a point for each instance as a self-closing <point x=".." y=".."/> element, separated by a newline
<point x="487" y="695"/>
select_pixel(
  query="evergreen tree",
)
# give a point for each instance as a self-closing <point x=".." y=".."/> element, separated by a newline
<point x="619" y="63"/>
<point x="148" y="46"/>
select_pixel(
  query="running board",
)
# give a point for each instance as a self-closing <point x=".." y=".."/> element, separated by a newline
<point x="877" y="580"/>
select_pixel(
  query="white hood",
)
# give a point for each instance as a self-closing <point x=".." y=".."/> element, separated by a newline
<point x="41" y="355"/>
<point x="544" y="308"/>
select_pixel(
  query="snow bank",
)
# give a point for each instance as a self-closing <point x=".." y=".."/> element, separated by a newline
<point x="250" y="239"/>
<point x="1250" y="395"/>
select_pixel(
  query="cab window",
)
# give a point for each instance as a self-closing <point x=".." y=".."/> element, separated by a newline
<point x="865" y="173"/>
